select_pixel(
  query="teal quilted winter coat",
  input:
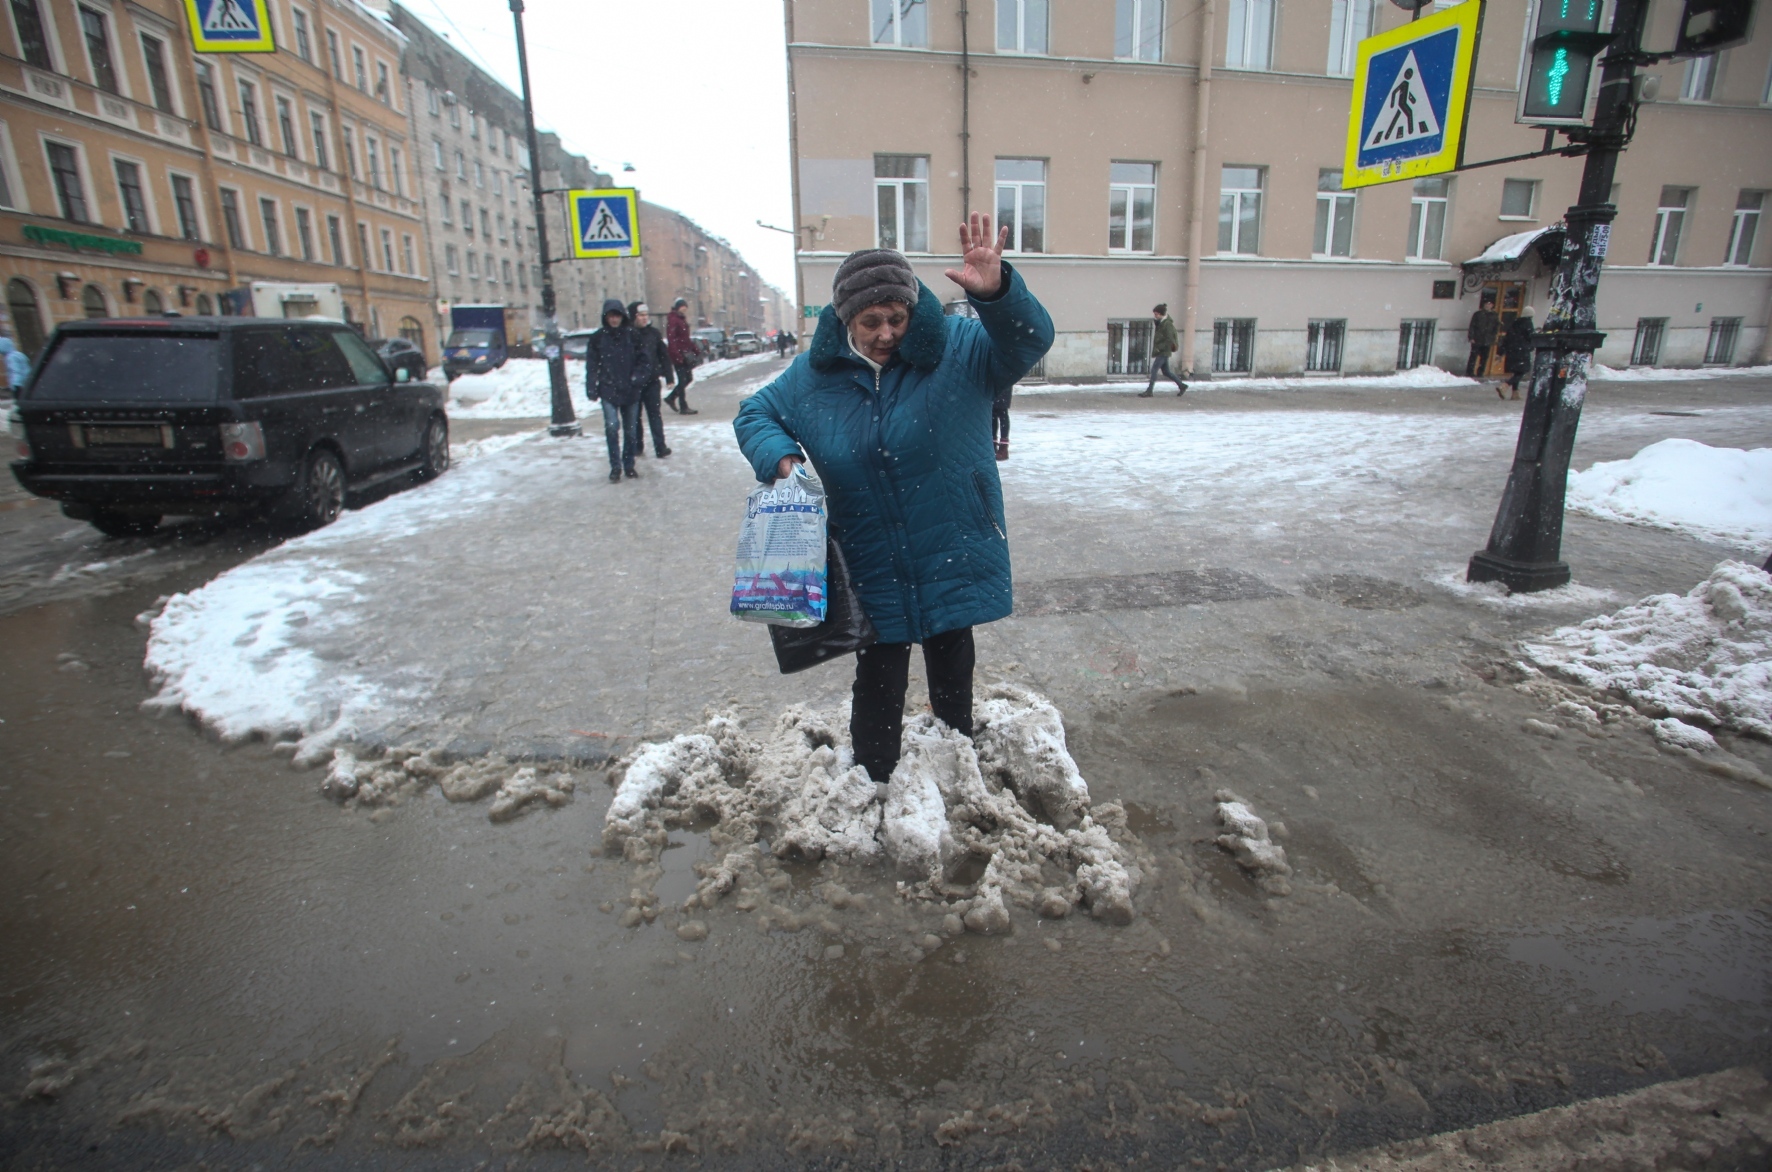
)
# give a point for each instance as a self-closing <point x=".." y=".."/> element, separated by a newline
<point x="906" y="455"/>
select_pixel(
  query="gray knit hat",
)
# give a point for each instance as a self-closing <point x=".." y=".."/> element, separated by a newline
<point x="870" y="277"/>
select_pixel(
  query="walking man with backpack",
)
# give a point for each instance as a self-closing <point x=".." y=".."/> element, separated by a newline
<point x="680" y="346"/>
<point x="1163" y="344"/>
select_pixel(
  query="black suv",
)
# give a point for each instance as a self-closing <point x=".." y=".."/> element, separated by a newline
<point x="126" y="421"/>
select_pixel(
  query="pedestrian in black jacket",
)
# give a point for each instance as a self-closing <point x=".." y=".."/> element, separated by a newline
<point x="612" y="376"/>
<point x="650" y="356"/>
<point x="1484" y="325"/>
<point x="1517" y="349"/>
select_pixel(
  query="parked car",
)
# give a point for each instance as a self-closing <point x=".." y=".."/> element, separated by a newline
<point x="711" y="341"/>
<point x="576" y="343"/>
<point x="128" y="420"/>
<point x="401" y="354"/>
<point x="746" y="342"/>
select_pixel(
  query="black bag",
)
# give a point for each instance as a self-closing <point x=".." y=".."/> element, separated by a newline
<point x="846" y="625"/>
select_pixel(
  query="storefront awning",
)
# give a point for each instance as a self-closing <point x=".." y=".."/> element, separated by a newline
<point x="1510" y="252"/>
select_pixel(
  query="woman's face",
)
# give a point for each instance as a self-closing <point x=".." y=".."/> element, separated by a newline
<point x="879" y="329"/>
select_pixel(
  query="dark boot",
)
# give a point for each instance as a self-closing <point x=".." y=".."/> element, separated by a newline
<point x="615" y="476"/>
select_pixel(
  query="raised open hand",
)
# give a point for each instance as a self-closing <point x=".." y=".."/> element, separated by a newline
<point x="981" y="258"/>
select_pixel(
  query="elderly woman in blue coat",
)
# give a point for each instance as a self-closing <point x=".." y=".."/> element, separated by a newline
<point x="892" y="404"/>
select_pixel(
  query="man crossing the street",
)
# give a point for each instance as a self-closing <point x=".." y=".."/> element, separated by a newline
<point x="1163" y="344"/>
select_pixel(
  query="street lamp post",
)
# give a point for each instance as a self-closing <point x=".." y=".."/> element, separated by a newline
<point x="564" y="423"/>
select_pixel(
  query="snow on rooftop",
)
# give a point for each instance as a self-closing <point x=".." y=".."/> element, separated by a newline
<point x="1510" y="248"/>
<point x="1717" y="494"/>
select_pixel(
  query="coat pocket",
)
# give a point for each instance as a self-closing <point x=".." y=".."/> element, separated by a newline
<point x="982" y="497"/>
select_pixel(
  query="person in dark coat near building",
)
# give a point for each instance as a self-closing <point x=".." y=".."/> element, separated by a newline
<point x="892" y="404"/>
<point x="612" y="377"/>
<point x="681" y="347"/>
<point x="1484" y="325"/>
<point x="1163" y="343"/>
<point x="651" y="355"/>
<point x="1517" y="351"/>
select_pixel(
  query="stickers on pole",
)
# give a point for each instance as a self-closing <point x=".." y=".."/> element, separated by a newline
<point x="1412" y="89"/>
<point x="605" y="222"/>
<point x="231" y="26"/>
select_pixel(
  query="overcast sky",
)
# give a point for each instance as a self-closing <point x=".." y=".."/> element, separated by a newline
<point x="693" y="93"/>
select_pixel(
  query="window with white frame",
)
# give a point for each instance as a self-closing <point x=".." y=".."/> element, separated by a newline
<point x="64" y="174"/>
<point x="267" y="214"/>
<point x="1670" y="220"/>
<point x="159" y="83"/>
<point x="467" y="217"/>
<point x="347" y="146"/>
<point x="304" y="46"/>
<point x="904" y="23"/>
<point x="1744" y="227"/>
<point x="1021" y="26"/>
<point x="387" y="251"/>
<point x="473" y="264"/>
<point x="1335" y="217"/>
<point x="1719" y="349"/>
<point x="184" y="201"/>
<point x="1415" y="343"/>
<point x="1350" y="22"/>
<point x="1239" y="210"/>
<point x="372" y="150"/>
<point x="1129" y="346"/>
<point x="432" y="102"/>
<point x="1427" y="218"/>
<point x="452" y="260"/>
<point x="901" y="202"/>
<point x="406" y="254"/>
<point x="364" y="254"/>
<point x="249" y="113"/>
<point x="231" y="221"/>
<point x="1233" y="345"/>
<point x="335" y="234"/>
<point x="1021" y="203"/>
<point x="286" y="127"/>
<point x="1519" y="198"/>
<point x="33" y="36"/>
<point x="384" y="88"/>
<point x="448" y="207"/>
<point x="96" y="29"/>
<point x="1324" y="339"/>
<point x="206" y="95"/>
<point x="1132" y="207"/>
<point x="1645" y="347"/>
<point x="437" y="153"/>
<point x="1249" y="35"/>
<point x="1138" y="30"/>
<point x="135" y="200"/>
<point x="317" y="123"/>
<point x="338" y="65"/>
<point x="1700" y="80"/>
<point x="304" y="232"/>
<point x="360" y="68"/>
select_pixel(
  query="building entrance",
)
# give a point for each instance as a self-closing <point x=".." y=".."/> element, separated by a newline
<point x="1510" y="298"/>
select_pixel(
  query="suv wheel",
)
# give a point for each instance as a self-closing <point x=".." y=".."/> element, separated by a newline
<point x="436" y="449"/>
<point x="322" y="490"/>
<point x="113" y="524"/>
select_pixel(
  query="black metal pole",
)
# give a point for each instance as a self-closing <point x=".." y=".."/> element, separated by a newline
<point x="1525" y="544"/>
<point x="564" y="421"/>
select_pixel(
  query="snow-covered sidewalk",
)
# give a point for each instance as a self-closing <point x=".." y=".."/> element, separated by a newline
<point x="520" y="390"/>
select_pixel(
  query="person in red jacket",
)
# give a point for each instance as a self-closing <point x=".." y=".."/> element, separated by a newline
<point x="683" y="354"/>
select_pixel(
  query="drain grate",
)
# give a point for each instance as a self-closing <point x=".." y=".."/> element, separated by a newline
<point x="1140" y="591"/>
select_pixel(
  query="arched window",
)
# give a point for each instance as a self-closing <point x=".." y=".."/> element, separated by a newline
<point x="151" y="302"/>
<point x="92" y="302"/>
<point x="412" y="331"/>
<point x="27" y="321"/>
<point x="205" y="306"/>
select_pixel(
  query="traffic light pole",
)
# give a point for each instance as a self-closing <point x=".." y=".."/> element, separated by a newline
<point x="564" y="423"/>
<point x="1525" y="544"/>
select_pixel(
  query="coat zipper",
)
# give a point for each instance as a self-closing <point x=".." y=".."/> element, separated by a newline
<point x="985" y="502"/>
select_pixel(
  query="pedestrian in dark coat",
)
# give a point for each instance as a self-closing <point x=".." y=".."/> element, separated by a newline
<point x="612" y="374"/>
<point x="1517" y="350"/>
<point x="653" y="362"/>
<point x="1000" y="419"/>
<point x="1164" y="342"/>
<point x="684" y="356"/>
<point x="892" y="404"/>
<point x="1484" y="325"/>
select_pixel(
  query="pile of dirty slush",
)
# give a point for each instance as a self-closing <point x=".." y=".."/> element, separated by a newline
<point x="1010" y="798"/>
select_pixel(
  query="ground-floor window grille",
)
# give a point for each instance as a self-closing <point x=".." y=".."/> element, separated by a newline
<point x="1036" y="372"/>
<point x="1233" y="344"/>
<point x="1415" y="343"/>
<point x="1646" y="350"/>
<point x="1129" y="346"/>
<point x="1720" y="350"/>
<point x="1322" y="348"/>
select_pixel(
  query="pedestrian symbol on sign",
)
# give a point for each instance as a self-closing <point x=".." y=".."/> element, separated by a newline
<point x="228" y="16"/>
<point x="1412" y="88"/>
<point x="230" y="26"/>
<point x="605" y="222"/>
<point x="604" y="228"/>
<point x="1407" y="114"/>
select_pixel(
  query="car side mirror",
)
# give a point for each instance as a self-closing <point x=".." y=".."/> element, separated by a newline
<point x="402" y="375"/>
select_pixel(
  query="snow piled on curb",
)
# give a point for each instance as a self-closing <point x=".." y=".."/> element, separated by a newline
<point x="1704" y="657"/>
<point x="1719" y="494"/>
<point x="1667" y="374"/>
<point x="517" y="390"/>
<point x="1417" y="378"/>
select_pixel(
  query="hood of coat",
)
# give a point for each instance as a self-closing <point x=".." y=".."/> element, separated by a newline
<point x="614" y="305"/>
<point x="922" y="346"/>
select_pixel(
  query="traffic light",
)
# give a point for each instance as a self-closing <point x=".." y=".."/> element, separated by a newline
<point x="1707" y="26"/>
<point x="1567" y="37"/>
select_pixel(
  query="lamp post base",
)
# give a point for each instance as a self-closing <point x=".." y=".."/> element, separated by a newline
<point x="1518" y="577"/>
<point x="564" y="430"/>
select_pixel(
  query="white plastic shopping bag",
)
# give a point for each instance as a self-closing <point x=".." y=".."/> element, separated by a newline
<point x="780" y="576"/>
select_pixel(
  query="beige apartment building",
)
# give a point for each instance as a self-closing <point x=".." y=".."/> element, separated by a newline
<point x="686" y="260"/>
<point x="1077" y="124"/>
<point x="137" y="176"/>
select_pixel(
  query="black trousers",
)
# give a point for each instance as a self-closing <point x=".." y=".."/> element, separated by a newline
<point x="651" y="414"/>
<point x="1479" y="355"/>
<point x="882" y="672"/>
<point x="685" y="376"/>
<point x="1000" y="423"/>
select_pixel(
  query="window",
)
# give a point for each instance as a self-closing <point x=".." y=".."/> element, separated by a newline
<point x="5" y="187"/>
<point x="347" y="145"/>
<point x="406" y="262"/>
<point x="901" y="202"/>
<point x="206" y="95"/>
<point x="98" y="47"/>
<point x="1233" y="345"/>
<point x="230" y="205"/>
<point x="338" y="67"/>
<point x="27" y="319"/>
<point x="1138" y="30"/>
<point x="1701" y="79"/>
<point x="318" y="122"/>
<point x="437" y="152"/>
<point x="1645" y="350"/>
<point x="365" y="258"/>
<point x="387" y="251"/>
<point x="1415" y="343"/>
<point x="508" y="150"/>
<point x="491" y="269"/>
<point x="1670" y="218"/>
<point x="1021" y="26"/>
<point x="522" y="280"/>
<point x="1021" y="203"/>
<point x="479" y="174"/>
<point x="461" y="165"/>
<point x="467" y="217"/>
<point x="360" y="67"/>
<point x="452" y="259"/>
<point x="1239" y="210"/>
<point x="1746" y="225"/>
<point x="304" y="48"/>
<point x="498" y="182"/>
<point x="151" y="303"/>
<point x="394" y="170"/>
<point x="135" y="204"/>
<point x="372" y="149"/>
<point x="304" y="232"/>
<point x="473" y="124"/>
<point x="1322" y="344"/>
<point x="1249" y="35"/>
<point x="1427" y="218"/>
<point x="448" y="208"/>
<point x="432" y="102"/>
<point x="455" y="114"/>
<point x="473" y="264"/>
<point x="249" y="113"/>
<point x="383" y="89"/>
<point x="412" y="331"/>
<point x="184" y="198"/>
<point x="286" y="127"/>
<point x="1129" y="346"/>
<point x="900" y="22"/>
<point x="33" y="41"/>
<point x="1335" y="218"/>
<point x="503" y="236"/>
<point x="64" y="172"/>
<point x="507" y="272"/>
<point x="1132" y="203"/>
<point x="336" y="237"/>
<point x="92" y="303"/>
<point x="1350" y="22"/>
<point x="1720" y="349"/>
<point x="485" y="226"/>
<point x="159" y="88"/>
<point x="267" y="214"/>
<point x="1518" y="198"/>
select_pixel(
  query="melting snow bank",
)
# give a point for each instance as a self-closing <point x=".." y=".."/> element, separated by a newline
<point x="1010" y="800"/>
<point x="1416" y="378"/>
<point x="517" y="390"/>
<point x="1702" y="658"/>
<point x="405" y="772"/>
<point x="1247" y="837"/>
<point x="1721" y="494"/>
<point x="1663" y="374"/>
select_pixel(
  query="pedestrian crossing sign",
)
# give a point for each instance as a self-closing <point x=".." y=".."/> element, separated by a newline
<point x="605" y="222"/>
<point x="231" y="26"/>
<point x="1412" y="89"/>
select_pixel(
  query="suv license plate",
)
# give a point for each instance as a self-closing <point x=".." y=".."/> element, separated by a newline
<point x="150" y="436"/>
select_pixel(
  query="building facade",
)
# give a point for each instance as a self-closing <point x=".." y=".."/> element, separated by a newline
<point x="1092" y="129"/>
<point x="686" y="260"/>
<point x="142" y="177"/>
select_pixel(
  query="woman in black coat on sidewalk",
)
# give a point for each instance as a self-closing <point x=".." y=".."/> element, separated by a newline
<point x="1517" y="350"/>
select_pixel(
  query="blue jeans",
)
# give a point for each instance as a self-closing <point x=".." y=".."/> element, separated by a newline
<point x="621" y="431"/>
